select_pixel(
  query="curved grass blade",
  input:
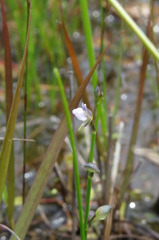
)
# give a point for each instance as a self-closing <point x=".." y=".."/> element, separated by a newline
<point x="9" y="98"/>
<point x="8" y="63"/>
<point x="75" y="161"/>
<point x="145" y="40"/>
<point x="7" y="143"/>
<point x="8" y="229"/>
<point x="73" y="57"/>
<point x="88" y="38"/>
<point x="49" y="160"/>
<point x="25" y="106"/>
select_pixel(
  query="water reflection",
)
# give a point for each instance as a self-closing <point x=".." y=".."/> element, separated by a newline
<point x="132" y="205"/>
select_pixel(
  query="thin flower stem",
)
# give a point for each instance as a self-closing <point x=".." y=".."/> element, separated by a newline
<point x="103" y="114"/>
<point x="117" y="91"/>
<point x="77" y="179"/>
<point x="25" y="107"/>
<point x="73" y="235"/>
<point x="89" y="180"/>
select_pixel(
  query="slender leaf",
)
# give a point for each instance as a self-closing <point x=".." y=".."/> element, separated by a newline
<point x="88" y="38"/>
<point x="75" y="160"/>
<point x="9" y="97"/>
<point x="25" y="105"/>
<point x="7" y="143"/>
<point x="8" y="63"/>
<point x="125" y="16"/>
<point x="8" y="229"/>
<point x="76" y="67"/>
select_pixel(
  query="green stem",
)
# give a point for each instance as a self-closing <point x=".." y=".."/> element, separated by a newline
<point x="25" y="107"/>
<point x="146" y="42"/>
<point x="103" y="113"/>
<point x="89" y="40"/>
<point x="89" y="180"/>
<point x="77" y="179"/>
<point x="117" y="93"/>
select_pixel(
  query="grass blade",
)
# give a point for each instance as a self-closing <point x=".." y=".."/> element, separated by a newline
<point x="7" y="143"/>
<point x="75" y="161"/>
<point x="146" y="42"/>
<point x="8" y="63"/>
<point x="76" y="67"/>
<point x="8" y="229"/>
<point x="89" y="40"/>
<point x="25" y="107"/>
<point x="9" y="97"/>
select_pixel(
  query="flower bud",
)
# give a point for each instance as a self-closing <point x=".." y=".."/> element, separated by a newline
<point x="99" y="96"/>
<point x="91" y="167"/>
<point x="102" y="212"/>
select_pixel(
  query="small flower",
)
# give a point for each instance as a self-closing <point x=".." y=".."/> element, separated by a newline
<point x="83" y="114"/>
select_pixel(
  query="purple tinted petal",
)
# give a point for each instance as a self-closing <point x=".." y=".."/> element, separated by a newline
<point x="88" y="112"/>
<point x="84" y="107"/>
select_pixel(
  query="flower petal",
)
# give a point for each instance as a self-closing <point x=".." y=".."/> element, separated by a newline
<point x="80" y="114"/>
<point x="89" y="114"/>
<point x="84" y="107"/>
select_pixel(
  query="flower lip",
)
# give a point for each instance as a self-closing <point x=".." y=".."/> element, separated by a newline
<point x="87" y="112"/>
<point x="80" y="114"/>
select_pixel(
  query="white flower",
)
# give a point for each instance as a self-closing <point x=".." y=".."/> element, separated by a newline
<point x="83" y="114"/>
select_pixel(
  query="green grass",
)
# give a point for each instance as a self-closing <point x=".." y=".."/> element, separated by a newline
<point x="75" y="160"/>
